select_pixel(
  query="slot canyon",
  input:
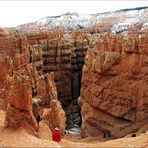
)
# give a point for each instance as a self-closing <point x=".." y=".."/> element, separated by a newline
<point x="91" y="79"/>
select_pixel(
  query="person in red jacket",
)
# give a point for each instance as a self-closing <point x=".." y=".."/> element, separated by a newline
<point x="56" y="135"/>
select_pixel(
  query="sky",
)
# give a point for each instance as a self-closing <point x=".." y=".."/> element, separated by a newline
<point x="13" y="13"/>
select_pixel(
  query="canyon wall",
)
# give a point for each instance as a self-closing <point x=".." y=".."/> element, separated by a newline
<point x="62" y="54"/>
<point x="24" y="92"/>
<point x="114" y="86"/>
<point x="38" y="69"/>
<point x="35" y="55"/>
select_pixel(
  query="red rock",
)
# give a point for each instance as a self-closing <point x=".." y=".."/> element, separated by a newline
<point x="6" y="66"/>
<point x="113" y="88"/>
<point x="55" y="116"/>
<point x="21" y="85"/>
<point x="19" y="109"/>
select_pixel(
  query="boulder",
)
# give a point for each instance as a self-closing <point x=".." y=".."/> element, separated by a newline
<point x="44" y="131"/>
<point x="55" y="116"/>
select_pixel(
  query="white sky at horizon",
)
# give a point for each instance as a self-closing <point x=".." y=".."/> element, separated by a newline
<point x="13" y="13"/>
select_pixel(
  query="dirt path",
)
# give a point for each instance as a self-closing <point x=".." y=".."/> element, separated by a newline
<point x="76" y="141"/>
<point x="19" y="138"/>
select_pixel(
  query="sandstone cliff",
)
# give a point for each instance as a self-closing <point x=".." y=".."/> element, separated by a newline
<point x="114" y="86"/>
<point x="24" y="91"/>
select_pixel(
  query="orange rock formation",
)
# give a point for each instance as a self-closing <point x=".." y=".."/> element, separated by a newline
<point x="114" y="84"/>
<point x="24" y="91"/>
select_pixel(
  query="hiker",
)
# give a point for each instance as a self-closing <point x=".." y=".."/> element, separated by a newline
<point x="133" y="135"/>
<point x="38" y="119"/>
<point x="106" y="134"/>
<point x="56" y="135"/>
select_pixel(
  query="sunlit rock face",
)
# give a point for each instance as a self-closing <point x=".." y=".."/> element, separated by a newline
<point x="114" y="86"/>
<point x="54" y="116"/>
<point x="24" y="91"/>
<point x="19" y="108"/>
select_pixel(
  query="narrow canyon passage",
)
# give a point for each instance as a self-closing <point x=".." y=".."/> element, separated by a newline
<point x="64" y="56"/>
